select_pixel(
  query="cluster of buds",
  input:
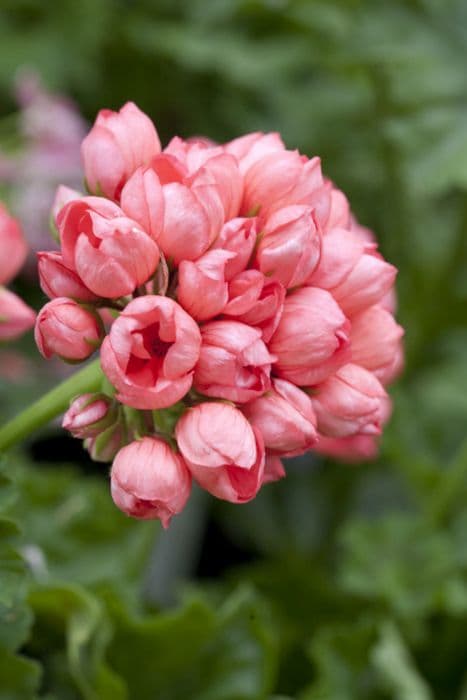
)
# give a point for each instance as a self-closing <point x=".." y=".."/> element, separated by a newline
<point x="15" y="316"/>
<point x="241" y="312"/>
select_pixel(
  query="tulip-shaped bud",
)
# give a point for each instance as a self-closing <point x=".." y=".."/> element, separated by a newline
<point x="368" y="282"/>
<point x="66" y="329"/>
<point x="284" y="178"/>
<point x="290" y="247"/>
<point x="150" y="352"/>
<point x="266" y="312"/>
<point x="15" y="316"/>
<point x="238" y="236"/>
<point x="223" y="452"/>
<point x="222" y="171"/>
<point x="376" y="341"/>
<point x="89" y="415"/>
<point x="340" y="252"/>
<point x="58" y="280"/>
<point x="143" y="201"/>
<point x="350" y="402"/>
<point x="234" y="362"/>
<point x="13" y="248"/>
<point x="148" y="480"/>
<point x="193" y="217"/>
<point x="312" y="338"/>
<point x="118" y="144"/>
<point x="202" y="289"/>
<point x="109" y="252"/>
<point x="285" y="418"/>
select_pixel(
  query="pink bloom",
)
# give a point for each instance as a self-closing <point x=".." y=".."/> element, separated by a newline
<point x="193" y="218"/>
<point x="150" y="352"/>
<point x="376" y="343"/>
<point x="148" y="480"/>
<point x="57" y="280"/>
<point x="66" y="329"/>
<point x="238" y="236"/>
<point x="118" y="144"/>
<point x="110" y="253"/>
<point x="13" y="248"/>
<point x="312" y="338"/>
<point x="280" y="179"/>
<point x="222" y="172"/>
<point x="256" y="301"/>
<point x="368" y="282"/>
<point x="340" y="252"/>
<point x="202" y="289"/>
<point x="285" y="418"/>
<point x="252" y="147"/>
<point x="143" y="201"/>
<point x="15" y="316"/>
<point x="350" y="402"/>
<point x="234" y="363"/>
<point x="350" y="449"/>
<point x="290" y="246"/>
<point x="89" y="415"/>
<point x="223" y="452"/>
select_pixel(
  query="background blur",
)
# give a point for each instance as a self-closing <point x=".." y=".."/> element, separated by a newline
<point x="341" y="582"/>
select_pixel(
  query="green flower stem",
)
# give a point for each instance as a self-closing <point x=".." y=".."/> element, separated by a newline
<point x="51" y="405"/>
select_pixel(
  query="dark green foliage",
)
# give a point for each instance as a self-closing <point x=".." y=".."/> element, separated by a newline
<point x="358" y="590"/>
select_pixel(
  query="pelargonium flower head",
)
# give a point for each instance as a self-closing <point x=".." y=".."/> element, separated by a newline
<point x="150" y="352"/>
<point x="248" y="315"/>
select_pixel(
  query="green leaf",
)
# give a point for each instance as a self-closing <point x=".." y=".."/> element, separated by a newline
<point x="19" y="677"/>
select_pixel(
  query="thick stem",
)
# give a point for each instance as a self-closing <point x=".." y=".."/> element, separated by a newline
<point x="51" y="405"/>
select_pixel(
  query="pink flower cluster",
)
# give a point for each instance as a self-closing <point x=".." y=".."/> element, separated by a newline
<point x="15" y="316"/>
<point x="242" y="313"/>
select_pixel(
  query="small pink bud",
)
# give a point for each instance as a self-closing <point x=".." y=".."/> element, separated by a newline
<point x="66" y="329"/>
<point x="150" y="352"/>
<point x="109" y="252"/>
<point x="350" y="402"/>
<point x="349" y="449"/>
<point x="57" y="280"/>
<point x="13" y="248"/>
<point x="312" y="338"/>
<point x="285" y="418"/>
<point x="223" y="452"/>
<point x="148" y="480"/>
<point x="234" y="362"/>
<point x="118" y="144"/>
<point x="89" y="415"/>
<point x="15" y="316"/>
<point x="368" y="282"/>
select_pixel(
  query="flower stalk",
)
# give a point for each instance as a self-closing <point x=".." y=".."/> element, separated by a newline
<point x="51" y="405"/>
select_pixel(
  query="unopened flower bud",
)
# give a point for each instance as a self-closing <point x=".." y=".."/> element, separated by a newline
<point x="89" y="415"/>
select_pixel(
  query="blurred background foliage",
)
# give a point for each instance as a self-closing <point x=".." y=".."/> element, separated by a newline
<point x="341" y="582"/>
